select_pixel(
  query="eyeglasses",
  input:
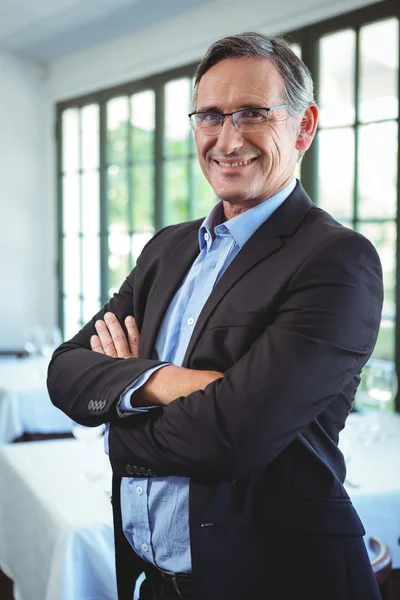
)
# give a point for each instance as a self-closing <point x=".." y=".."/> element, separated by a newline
<point x="246" y="120"/>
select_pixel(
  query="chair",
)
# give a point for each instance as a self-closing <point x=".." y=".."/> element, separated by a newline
<point x="6" y="587"/>
<point x="381" y="564"/>
<point x="14" y="353"/>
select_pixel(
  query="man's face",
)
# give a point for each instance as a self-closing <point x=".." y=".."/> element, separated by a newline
<point x="230" y="85"/>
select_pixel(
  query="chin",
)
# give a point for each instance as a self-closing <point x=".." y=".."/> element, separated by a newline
<point x="234" y="196"/>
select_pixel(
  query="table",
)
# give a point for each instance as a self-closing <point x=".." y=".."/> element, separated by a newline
<point x="25" y="406"/>
<point x="56" y="539"/>
<point x="370" y="443"/>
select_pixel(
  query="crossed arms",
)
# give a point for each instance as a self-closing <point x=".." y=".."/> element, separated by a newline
<point x="224" y="428"/>
<point x="166" y="384"/>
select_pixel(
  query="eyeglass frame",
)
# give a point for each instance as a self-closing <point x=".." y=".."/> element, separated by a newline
<point x="224" y="115"/>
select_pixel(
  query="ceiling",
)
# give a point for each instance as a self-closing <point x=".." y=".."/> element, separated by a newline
<point x="46" y="30"/>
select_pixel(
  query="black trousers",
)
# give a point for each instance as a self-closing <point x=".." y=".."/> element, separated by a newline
<point x="155" y="587"/>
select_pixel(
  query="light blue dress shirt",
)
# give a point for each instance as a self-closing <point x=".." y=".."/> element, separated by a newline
<point x="155" y="511"/>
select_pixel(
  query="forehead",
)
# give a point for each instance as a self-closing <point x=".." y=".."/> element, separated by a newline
<point x="237" y="82"/>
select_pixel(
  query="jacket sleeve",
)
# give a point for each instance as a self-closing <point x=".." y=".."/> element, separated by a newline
<point x="324" y="332"/>
<point x="87" y="385"/>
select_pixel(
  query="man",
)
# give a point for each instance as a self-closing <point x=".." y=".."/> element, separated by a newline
<point x="252" y="327"/>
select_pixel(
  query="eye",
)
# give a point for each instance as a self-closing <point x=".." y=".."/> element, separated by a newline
<point x="208" y="118"/>
<point x="253" y="114"/>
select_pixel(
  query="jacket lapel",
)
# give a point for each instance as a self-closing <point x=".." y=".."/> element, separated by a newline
<point x="268" y="239"/>
<point x="168" y="282"/>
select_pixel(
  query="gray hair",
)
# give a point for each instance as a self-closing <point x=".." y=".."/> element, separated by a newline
<point x="298" y="83"/>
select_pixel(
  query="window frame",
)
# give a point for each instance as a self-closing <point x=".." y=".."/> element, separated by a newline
<point x="307" y="38"/>
<point x="101" y="97"/>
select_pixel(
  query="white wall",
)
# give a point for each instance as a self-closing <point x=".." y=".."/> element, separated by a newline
<point x="27" y="217"/>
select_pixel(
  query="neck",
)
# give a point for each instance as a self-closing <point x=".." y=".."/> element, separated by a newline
<point x="233" y="209"/>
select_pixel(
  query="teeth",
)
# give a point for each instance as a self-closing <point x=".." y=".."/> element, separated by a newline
<point x="237" y="164"/>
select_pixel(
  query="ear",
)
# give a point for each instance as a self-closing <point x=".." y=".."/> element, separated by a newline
<point x="307" y="129"/>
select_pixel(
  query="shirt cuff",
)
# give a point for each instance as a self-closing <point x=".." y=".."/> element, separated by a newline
<point x="124" y="404"/>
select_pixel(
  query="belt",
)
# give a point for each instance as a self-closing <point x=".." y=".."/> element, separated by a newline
<point x="176" y="585"/>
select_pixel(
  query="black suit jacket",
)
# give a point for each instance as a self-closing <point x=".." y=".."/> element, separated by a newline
<point x="291" y="323"/>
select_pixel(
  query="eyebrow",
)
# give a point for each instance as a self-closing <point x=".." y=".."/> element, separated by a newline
<point x="219" y="110"/>
<point x="209" y="109"/>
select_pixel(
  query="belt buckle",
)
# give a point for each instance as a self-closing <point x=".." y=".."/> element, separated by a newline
<point x="176" y="587"/>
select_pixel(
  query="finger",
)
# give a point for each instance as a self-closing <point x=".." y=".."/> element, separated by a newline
<point x="95" y="344"/>
<point x="118" y="336"/>
<point x="133" y="336"/>
<point x="105" y="339"/>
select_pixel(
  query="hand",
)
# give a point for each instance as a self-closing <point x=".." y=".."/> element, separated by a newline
<point x="170" y="383"/>
<point x="111" y="339"/>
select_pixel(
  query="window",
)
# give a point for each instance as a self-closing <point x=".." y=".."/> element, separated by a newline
<point x="80" y="242"/>
<point x="357" y="160"/>
<point x="127" y="166"/>
<point x="353" y="171"/>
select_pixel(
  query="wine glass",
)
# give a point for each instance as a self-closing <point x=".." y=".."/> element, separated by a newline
<point x="51" y="339"/>
<point x="88" y="436"/>
<point x="33" y="340"/>
<point x="381" y="384"/>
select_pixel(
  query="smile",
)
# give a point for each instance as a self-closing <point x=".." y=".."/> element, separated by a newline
<point x="236" y="164"/>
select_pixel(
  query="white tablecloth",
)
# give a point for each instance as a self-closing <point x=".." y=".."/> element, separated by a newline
<point x="56" y="538"/>
<point x="25" y="406"/>
<point x="371" y="446"/>
<point x="56" y="535"/>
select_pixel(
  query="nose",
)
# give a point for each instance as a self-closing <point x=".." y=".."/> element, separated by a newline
<point x="230" y="138"/>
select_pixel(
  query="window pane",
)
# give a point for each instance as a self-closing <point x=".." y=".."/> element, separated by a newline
<point x="72" y="266"/>
<point x="117" y="194"/>
<point x="91" y="306"/>
<point x="177" y="108"/>
<point x="119" y="260"/>
<point x="204" y="197"/>
<point x="139" y="240"/>
<point x="176" y="192"/>
<point x="297" y="172"/>
<point x="90" y="136"/>
<point x="143" y="197"/>
<point x="90" y="203"/>
<point x="336" y="171"/>
<point x="377" y="176"/>
<point x="70" y="140"/>
<point x="379" y="56"/>
<point x="71" y="204"/>
<point x="383" y="237"/>
<point x="337" y="67"/>
<point x="385" y="344"/>
<point x="296" y="49"/>
<point x="72" y="316"/>
<point x="378" y="386"/>
<point x="143" y="125"/>
<point x="117" y="130"/>
<point x="91" y="266"/>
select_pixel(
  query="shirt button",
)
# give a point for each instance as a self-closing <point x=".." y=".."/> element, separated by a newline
<point x="213" y="265"/>
<point x="145" y="548"/>
<point x="190" y="321"/>
<point x="139" y="490"/>
<point x="206" y="236"/>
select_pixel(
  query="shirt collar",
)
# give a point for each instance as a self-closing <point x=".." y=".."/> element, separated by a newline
<point x="242" y="227"/>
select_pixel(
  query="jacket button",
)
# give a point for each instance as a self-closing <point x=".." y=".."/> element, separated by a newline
<point x="129" y="469"/>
